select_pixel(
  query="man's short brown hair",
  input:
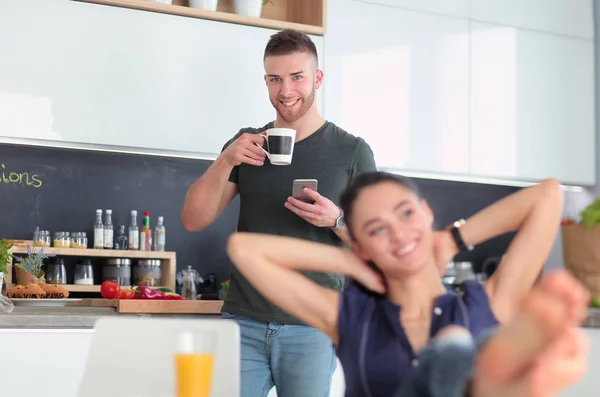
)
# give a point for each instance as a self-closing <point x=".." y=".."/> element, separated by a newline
<point x="290" y="41"/>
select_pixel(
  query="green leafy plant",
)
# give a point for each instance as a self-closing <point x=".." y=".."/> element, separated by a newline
<point x="33" y="262"/>
<point x="590" y="216"/>
<point x="5" y="256"/>
<point x="225" y="288"/>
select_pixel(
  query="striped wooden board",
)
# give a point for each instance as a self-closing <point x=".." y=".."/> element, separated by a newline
<point x="155" y="306"/>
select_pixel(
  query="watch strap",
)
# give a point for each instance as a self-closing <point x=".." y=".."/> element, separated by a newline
<point x="457" y="237"/>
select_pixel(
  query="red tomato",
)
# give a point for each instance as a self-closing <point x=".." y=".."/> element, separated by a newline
<point x="566" y="221"/>
<point x="110" y="290"/>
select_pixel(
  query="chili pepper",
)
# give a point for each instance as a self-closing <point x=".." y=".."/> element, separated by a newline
<point x="143" y="292"/>
<point x="126" y="294"/>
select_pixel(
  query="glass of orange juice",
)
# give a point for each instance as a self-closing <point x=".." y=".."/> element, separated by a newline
<point x="194" y="363"/>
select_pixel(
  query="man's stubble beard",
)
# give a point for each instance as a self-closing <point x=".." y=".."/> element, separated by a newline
<point x="306" y="104"/>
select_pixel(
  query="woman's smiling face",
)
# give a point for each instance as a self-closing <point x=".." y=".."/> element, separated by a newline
<point x="392" y="227"/>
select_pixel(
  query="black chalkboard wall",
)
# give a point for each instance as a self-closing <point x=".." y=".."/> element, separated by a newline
<point x="60" y="189"/>
<point x="73" y="184"/>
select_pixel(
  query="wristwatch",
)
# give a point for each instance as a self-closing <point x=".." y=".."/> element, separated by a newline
<point x="339" y="222"/>
<point x="457" y="237"/>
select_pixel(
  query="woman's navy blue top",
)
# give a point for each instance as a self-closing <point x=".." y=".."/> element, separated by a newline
<point x="373" y="348"/>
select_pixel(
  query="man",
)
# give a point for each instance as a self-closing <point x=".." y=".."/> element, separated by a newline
<point x="277" y="349"/>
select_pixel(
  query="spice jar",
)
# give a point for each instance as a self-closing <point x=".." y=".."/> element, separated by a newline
<point x="56" y="272"/>
<point x="147" y="272"/>
<point x="42" y="239"/>
<point x="117" y="270"/>
<point x="84" y="273"/>
<point x="79" y="240"/>
<point x="62" y="240"/>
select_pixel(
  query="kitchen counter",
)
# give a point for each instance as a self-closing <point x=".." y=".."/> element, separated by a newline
<point x="85" y="317"/>
<point x="72" y="317"/>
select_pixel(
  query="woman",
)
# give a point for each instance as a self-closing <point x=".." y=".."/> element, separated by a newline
<point x="398" y="302"/>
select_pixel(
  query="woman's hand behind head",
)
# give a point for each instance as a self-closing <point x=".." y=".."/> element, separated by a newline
<point x="365" y="274"/>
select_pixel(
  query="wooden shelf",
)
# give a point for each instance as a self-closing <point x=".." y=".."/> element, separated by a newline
<point x="100" y="253"/>
<point x="168" y="263"/>
<point x="304" y="15"/>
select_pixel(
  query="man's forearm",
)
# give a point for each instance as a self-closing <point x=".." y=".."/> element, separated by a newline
<point x="202" y="203"/>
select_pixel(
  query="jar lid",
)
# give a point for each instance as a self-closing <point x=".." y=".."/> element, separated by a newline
<point x="463" y="265"/>
<point x="149" y="262"/>
<point x="58" y="234"/>
<point x="119" y="262"/>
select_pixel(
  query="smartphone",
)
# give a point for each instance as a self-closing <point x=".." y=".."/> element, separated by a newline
<point x="298" y="187"/>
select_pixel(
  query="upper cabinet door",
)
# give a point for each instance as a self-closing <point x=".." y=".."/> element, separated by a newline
<point x="129" y="77"/>
<point x="457" y="8"/>
<point x="399" y="79"/>
<point x="532" y="105"/>
<point x="567" y="17"/>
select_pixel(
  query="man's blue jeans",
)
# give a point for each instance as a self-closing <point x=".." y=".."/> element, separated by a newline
<point x="298" y="360"/>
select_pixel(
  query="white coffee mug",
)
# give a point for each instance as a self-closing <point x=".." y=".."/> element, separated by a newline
<point x="280" y="145"/>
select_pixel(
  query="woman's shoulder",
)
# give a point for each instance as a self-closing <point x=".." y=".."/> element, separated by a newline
<point x="471" y="287"/>
<point x="478" y="304"/>
<point x="356" y="302"/>
<point x="355" y="293"/>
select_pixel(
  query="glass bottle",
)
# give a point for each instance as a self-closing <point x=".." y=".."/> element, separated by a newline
<point x="121" y="240"/>
<point x="98" y="231"/>
<point x="134" y="232"/>
<point x="160" y="235"/>
<point x="109" y="231"/>
<point x="146" y="234"/>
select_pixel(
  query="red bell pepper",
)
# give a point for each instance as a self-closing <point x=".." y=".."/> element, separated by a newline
<point x="143" y="292"/>
<point x="172" y="297"/>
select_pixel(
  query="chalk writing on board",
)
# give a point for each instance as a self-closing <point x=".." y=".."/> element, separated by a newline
<point x="22" y="178"/>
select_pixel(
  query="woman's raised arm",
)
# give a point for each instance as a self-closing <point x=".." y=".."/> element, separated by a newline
<point x="271" y="264"/>
<point x="534" y="212"/>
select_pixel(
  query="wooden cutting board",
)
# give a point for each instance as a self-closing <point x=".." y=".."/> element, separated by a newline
<point x="155" y="306"/>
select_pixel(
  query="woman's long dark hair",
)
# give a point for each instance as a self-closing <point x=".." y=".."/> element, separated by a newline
<point x="356" y="186"/>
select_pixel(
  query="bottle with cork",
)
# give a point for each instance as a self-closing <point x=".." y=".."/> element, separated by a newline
<point x="160" y="235"/>
<point x="134" y="232"/>
<point x="98" y="231"/>
<point x="109" y="231"/>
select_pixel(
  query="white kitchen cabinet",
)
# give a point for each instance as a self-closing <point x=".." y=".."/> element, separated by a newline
<point x="532" y="110"/>
<point x="95" y="74"/>
<point x="399" y="79"/>
<point x="457" y="8"/>
<point x="567" y="17"/>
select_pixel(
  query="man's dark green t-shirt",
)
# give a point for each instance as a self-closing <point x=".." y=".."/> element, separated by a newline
<point x="330" y="155"/>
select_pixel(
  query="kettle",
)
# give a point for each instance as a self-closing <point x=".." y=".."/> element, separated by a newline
<point x="189" y="278"/>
